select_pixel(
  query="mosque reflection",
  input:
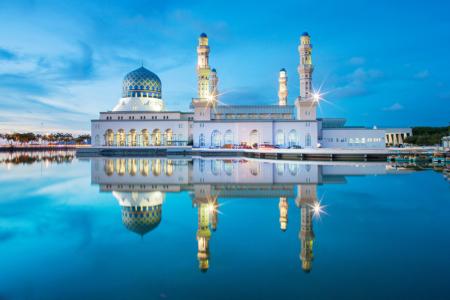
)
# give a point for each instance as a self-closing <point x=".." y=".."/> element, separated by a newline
<point x="140" y="186"/>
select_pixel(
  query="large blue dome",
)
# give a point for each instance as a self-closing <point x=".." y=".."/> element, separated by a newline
<point x="141" y="83"/>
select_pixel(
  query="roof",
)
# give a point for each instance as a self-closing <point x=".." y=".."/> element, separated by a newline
<point x="259" y="109"/>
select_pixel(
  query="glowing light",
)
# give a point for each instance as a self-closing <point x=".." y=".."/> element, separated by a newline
<point x="316" y="97"/>
<point x="318" y="209"/>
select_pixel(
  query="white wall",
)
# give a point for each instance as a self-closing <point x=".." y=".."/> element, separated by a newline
<point x="353" y="138"/>
<point x="241" y="132"/>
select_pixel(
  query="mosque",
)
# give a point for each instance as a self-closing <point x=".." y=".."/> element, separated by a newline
<point x="140" y="118"/>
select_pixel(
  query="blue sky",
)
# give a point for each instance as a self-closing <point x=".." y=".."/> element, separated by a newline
<point x="381" y="63"/>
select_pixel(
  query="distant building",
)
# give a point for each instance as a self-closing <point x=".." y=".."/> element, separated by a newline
<point x="396" y="136"/>
<point x="140" y="118"/>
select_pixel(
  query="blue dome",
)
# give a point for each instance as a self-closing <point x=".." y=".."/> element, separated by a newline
<point x="305" y="34"/>
<point x="141" y="221"/>
<point x="141" y="83"/>
<point x="203" y="35"/>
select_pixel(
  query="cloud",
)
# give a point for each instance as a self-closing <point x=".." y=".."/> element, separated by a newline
<point x="6" y="54"/>
<point x="422" y="74"/>
<point x="357" y="60"/>
<point x="356" y="84"/>
<point x="394" y="107"/>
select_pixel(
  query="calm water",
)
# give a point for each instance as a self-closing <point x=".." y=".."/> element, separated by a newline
<point x="142" y="228"/>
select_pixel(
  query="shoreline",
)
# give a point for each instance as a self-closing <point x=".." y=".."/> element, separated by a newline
<point x="323" y="154"/>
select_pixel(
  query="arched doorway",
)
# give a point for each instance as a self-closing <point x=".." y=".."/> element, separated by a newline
<point x="279" y="138"/>
<point x="308" y="140"/>
<point x="292" y="138"/>
<point x="254" y="138"/>
<point x="169" y="137"/>
<point x="216" y="138"/>
<point x="145" y="137"/>
<point x="132" y="138"/>
<point x="228" y="137"/>
<point x="201" y="140"/>
<point x="109" y="137"/>
<point x="121" y="137"/>
<point x="156" y="137"/>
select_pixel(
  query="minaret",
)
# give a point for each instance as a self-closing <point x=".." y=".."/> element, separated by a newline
<point x="282" y="88"/>
<point x="283" y="206"/>
<point x="205" y="101"/>
<point x="203" y="236"/>
<point x="305" y="68"/>
<point x="214" y="86"/>
<point x="214" y="209"/>
<point x="306" y="198"/>
<point x="306" y="103"/>
<point x="203" y="69"/>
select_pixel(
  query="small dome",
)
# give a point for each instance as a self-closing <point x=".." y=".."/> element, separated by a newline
<point x="283" y="70"/>
<point x="141" y="83"/>
<point x="305" y="34"/>
<point x="203" y="35"/>
<point x="214" y="70"/>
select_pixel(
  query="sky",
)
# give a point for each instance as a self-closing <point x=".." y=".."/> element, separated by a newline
<point x="378" y="63"/>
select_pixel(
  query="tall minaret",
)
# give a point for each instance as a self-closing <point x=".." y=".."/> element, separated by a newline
<point x="305" y="68"/>
<point x="306" y="103"/>
<point x="306" y="198"/>
<point x="282" y="88"/>
<point x="203" y="236"/>
<point x="214" y="86"/>
<point x="203" y="69"/>
<point x="283" y="206"/>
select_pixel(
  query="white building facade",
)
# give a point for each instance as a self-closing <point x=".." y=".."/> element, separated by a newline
<point x="140" y="118"/>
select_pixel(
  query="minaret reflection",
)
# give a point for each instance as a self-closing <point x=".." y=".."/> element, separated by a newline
<point x="207" y="209"/>
<point x="283" y="206"/>
<point x="306" y="200"/>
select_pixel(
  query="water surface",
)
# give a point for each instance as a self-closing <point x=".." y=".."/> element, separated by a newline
<point x="146" y="228"/>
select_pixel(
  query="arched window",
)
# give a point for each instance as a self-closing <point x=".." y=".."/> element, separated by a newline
<point x="156" y="167"/>
<point x="169" y="167"/>
<point x="156" y="137"/>
<point x="109" y="137"/>
<point x="109" y="167"/>
<point x="293" y="169"/>
<point x="144" y="166"/>
<point x="254" y="137"/>
<point x="169" y="137"/>
<point x="145" y="137"/>
<point x="279" y="138"/>
<point x="216" y="138"/>
<point x="228" y="137"/>
<point x="292" y="138"/>
<point x="132" y="166"/>
<point x="201" y="140"/>
<point x="228" y="167"/>
<point x="121" y="137"/>
<point x="280" y="168"/>
<point x="215" y="167"/>
<point x="132" y="138"/>
<point x="308" y="140"/>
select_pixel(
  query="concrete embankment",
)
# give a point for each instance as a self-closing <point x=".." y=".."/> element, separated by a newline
<point x="288" y="154"/>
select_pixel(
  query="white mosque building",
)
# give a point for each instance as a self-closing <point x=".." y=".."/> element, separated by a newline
<point x="140" y="118"/>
